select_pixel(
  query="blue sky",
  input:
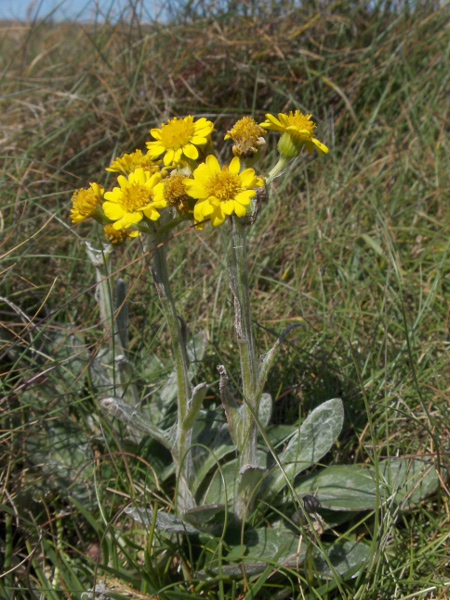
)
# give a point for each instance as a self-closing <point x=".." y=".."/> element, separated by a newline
<point x="70" y="9"/>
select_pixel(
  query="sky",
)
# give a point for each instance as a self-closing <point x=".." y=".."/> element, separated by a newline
<point x="71" y="9"/>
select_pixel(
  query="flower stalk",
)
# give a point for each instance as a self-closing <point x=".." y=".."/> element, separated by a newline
<point x="187" y="397"/>
<point x="247" y="430"/>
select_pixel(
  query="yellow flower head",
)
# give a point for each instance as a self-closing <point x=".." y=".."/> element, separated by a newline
<point x="128" y="204"/>
<point x="247" y="136"/>
<point x="221" y="192"/>
<point x="86" y="203"/>
<point x="174" y="192"/>
<point x="127" y="163"/>
<point x="120" y="236"/>
<point x="297" y="131"/>
<point x="178" y="138"/>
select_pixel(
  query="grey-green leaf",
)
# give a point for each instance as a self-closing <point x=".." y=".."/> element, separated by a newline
<point x="132" y="417"/>
<point x="347" y="559"/>
<point x="409" y="481"/>
<point x="265" y="410"/>
<point x="164" y="521"/>
<point x="309" y="444"/>
<point x="342" y="487"/>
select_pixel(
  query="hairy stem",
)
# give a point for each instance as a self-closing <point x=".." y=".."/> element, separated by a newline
<point x="239" y="284"/>
<point x="183" y="441"/>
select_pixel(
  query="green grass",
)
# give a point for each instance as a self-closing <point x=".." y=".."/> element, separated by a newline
<point x="354" y="247"/>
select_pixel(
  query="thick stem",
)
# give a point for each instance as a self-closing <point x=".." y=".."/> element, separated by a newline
<point x="101" y="260"/>
<point x="183" y="442"/>
<point x="277" y="169"/>
<point x="239" y="284"/>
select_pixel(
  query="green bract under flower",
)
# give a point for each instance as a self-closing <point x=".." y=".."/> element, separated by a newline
<point x="134" y="199"/>
<point x="297" y="131"/>
<point x="221" y="192"/>
<point x="179" y="138"/>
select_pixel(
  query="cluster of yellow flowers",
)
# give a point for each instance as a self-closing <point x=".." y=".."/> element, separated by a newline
<point x="172" y="176"/>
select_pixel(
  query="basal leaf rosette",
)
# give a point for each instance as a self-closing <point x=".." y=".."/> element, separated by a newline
<point x="86" y="203"/>
<point x="134" y="199"/>
<point x="221" y="192"/>
<point x="297" y="131"/>
<point x="180" y="139"/>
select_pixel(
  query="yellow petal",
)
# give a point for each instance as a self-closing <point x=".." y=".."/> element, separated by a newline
<point x="202" y="210"/>
<point x="321" y="146"/>
<point x="248" y="178"/>
<point x="155" y="149"/>
<point x="190" y="151"/>
<point x="156" y="133"/>
<point x="199" y="140"/>
<point x="114" y="195"/>
<point x="272" y="123"/>
<point x="113" y="211"/>
<point x="153" y="179"/>
<point x="213" y="164"/>
<point x="240" y="210"/>
<point x="151" y="213"/>
<point x="217" y="218"/>
<point x="245" y="197"/>
<point x="228" y="207"/>
<point x="195" y="190"/>
<point x="202" y="174"/>
<point x="168" y="158"/>
<point x="283" y="120"/>
<point x="177" y="156"/>
<point x="235" y="166"/>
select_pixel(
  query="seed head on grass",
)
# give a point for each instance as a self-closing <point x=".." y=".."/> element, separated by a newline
<point x="86" y="203"/>
<point x="179" y="139"/>
<point x="221" y="192"/>
<point x="296" y="131"/>
<point x="134" y="199"/>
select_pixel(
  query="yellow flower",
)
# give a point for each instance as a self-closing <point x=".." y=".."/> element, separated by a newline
<point x="247" y="136"/>
<point x="86" y="203"/>
<point x="118" y="237"/>
<point x="178" y="138"/>
<point x="297" y="131"/>
<point x="128" y="204"/>
<point x="127" y="163"/>
<point x="174" y="192"/>
<point x="221" y="192"/>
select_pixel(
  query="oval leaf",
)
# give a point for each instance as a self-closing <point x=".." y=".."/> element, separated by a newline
<point x="310" y="443"/>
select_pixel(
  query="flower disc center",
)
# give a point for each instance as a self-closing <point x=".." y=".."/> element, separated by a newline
<point x="177" y="133"/>
<point x="224" y="186"/>
<point x="305" y="127"/>
<point x="135" y="197"/>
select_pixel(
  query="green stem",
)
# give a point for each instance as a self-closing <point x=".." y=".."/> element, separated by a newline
<point x="101" y="261"/>
<point x="183" y="441"/>
<point x="239" y="284"/>
<point x="276" y="170"/>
